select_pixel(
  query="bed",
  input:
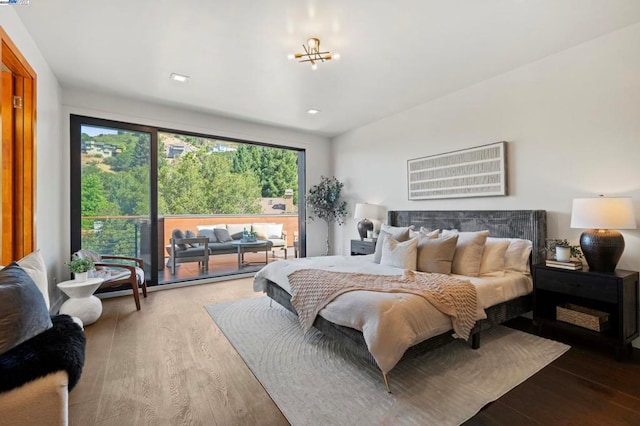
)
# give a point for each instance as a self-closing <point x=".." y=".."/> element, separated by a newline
<point x="522" y="224"/>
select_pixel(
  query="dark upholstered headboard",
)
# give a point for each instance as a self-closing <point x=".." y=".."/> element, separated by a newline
<point x="526" y="224"/>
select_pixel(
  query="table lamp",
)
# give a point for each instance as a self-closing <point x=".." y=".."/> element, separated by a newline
<point x="601" y="244"/>
<point x="365" y="212"/>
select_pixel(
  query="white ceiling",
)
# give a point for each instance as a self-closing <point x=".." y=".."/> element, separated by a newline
<point x="394" y="54"/>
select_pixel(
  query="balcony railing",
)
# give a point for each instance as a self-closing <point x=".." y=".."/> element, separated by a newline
<point x="117" y="235"/>
<point x="129" y="235"/>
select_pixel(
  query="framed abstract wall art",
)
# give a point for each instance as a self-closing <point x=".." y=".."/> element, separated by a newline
<point x="473" y="172"/>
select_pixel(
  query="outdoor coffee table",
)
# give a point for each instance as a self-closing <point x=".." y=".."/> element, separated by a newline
<point x="253" y="246"/>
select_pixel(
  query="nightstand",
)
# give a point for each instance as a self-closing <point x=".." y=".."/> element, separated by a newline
<point x="362" y="247"/>
<point x="615" y="293"/>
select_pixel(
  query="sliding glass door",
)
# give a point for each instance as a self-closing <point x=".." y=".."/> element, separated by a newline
<point x="134" y="187"/>
<point x="112" y="188"/>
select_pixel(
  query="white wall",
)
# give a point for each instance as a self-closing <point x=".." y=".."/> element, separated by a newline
<point x="572" y="121"/>
<point x="115" y="108"/>
<point x="49" y="191"/>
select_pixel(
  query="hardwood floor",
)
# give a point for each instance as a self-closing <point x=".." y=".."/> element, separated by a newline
<point x="169" y="364"/>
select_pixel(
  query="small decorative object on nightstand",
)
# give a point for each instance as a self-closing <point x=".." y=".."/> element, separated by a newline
<point x="609" y="298"/>
<point x="362" y="247"/>
<point x="366" y="212"/>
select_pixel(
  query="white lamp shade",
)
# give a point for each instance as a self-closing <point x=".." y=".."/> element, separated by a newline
<point x="603" y="213"/>
<point x="368" y="211"/>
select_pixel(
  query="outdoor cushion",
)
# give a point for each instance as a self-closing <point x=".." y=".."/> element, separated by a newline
<point x="222" y="246"/>
<point x="177" y="234"/>
<point x="236" y="229"/>
<point x="209" y="233"/>
<point x="222" y="235"/>
<point x="189" y="234"/>
<point x="212" y="227"/>
<point x="274" y="231"/>
<point x="190" y="252"/>
<point x="261" y="230"/>
<point x="277" y="242"/>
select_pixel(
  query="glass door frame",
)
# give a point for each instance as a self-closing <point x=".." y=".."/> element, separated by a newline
<point x="77" y="121"/>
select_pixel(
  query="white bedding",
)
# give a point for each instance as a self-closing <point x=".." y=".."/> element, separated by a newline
<point x="390" y="322"/>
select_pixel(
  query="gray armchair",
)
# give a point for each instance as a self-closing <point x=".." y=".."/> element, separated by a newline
<point x="187" y="248"/>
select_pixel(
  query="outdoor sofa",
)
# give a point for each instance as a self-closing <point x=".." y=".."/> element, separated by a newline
<point x="212" y="240"/>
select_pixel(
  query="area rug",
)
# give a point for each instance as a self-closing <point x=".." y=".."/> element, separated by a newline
<point x="316" y="381"/>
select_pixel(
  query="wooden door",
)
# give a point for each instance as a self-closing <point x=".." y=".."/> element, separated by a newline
<point x="18" y="112"/>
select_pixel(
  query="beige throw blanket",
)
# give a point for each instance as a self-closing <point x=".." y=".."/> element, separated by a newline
<point x="313" y="289"/>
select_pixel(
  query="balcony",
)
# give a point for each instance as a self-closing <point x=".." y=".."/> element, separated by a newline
<point x="131" y="236"/>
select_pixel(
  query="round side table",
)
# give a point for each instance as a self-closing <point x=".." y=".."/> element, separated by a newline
<point x="82" y="303"/>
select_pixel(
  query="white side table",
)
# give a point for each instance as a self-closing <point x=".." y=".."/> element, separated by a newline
<point x="82" y="303"/>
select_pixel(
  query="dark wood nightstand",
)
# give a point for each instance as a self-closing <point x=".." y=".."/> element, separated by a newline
<point x="362" y="247"/>
<point x="615" y="293"/>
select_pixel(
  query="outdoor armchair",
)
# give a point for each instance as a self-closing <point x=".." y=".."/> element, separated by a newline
<point x="118" y="272"/>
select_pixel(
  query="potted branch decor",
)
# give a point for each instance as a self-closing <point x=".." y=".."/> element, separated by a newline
<point x="324" y="201"/>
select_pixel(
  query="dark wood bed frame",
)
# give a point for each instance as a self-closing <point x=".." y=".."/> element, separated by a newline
<point x="525" y="224"/>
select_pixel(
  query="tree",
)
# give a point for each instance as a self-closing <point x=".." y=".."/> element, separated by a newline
<point x="182" y="187"/>
<point x="275" y="168"/>
<point x="324" y="201"/>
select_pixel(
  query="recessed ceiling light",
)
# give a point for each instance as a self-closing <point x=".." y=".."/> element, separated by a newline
<point x="179" y="77"/>
<point x="313" y="111"/>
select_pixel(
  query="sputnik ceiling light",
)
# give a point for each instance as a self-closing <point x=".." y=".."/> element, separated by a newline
<point x="313" y="54"/>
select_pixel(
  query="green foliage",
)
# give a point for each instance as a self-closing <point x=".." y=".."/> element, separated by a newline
<point x="113" y="236"/>
<point x="77" y="265"/>
<point x="552" y="243"/>
<point x="201" y="182"/>
<point x="325" y="203"/>
<point x="276" y="169"/>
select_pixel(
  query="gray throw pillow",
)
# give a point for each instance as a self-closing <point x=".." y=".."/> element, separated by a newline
<point x="209" y="234"/>
<point x="189" y="234"/>
<point x="222" y="235"/>
<point x="23" y="312"/>
<point x="177" y="234"/>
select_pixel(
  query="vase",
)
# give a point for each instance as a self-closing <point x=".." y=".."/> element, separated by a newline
<point x="80" y="276"/>
<point x="563" y="254"/>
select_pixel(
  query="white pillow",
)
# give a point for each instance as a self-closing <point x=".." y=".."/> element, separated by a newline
<point x="492" y="263"/>
<point x="211" y="227"/>
<point x="274" y="230"/>
<point x="468" y="255"/>
<point x="261" y="230"/>
<point x="34" y="266"/>
<point x="399" y="234"/>
<point x="424" y="232"/>
<point x="236" y="229"/>
<point x="400" y="254"/>
<point x="516" y="258"/>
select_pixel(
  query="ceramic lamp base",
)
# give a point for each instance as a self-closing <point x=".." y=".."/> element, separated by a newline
<point x="602" y="249"/>
<point x="363" y="226"/>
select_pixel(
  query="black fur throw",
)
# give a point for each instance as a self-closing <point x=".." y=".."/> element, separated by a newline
<point x="59" y="348"/>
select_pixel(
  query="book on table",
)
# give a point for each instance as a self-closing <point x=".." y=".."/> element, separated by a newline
<point x="572" y="264"/>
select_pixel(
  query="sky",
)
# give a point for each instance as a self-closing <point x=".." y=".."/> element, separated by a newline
<point x="95" y="131"/>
